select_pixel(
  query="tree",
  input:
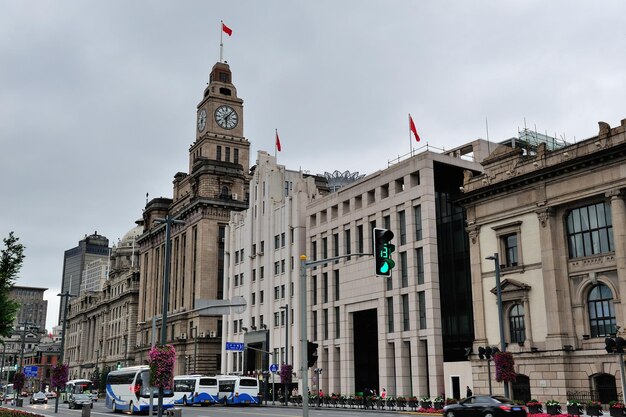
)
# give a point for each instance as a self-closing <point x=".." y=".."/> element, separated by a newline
<point x="11" y="258"/>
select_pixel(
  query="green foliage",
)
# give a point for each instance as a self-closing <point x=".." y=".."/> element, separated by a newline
<point x="11" y="258"/>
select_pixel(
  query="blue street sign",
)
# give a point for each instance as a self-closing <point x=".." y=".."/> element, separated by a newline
<point x="234" y="346"/>
<point x="273" y="368"/>
<point x="30" y="371"/>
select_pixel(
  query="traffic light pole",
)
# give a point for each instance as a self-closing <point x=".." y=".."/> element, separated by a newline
<point x="304" y="348"/>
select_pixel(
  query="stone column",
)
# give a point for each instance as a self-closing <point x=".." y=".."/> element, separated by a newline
<point x="618" y="215"/>
<point x="480" y="333"/>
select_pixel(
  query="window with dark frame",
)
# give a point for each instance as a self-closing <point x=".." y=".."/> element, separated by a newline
<point x="601" y="311"/>
<point x="517" y="327"/>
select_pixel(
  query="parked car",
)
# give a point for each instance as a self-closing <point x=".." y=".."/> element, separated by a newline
<point x="485" y="405"/>
<point x="82" y="400"/>
<point x="51" y="395"/>
<point x="39" y="398"/>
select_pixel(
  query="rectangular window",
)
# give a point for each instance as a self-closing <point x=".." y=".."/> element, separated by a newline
<point x="236" y="157"/>
<point x="227" y="158"/>
<point x="282" y="239"/>
<point x="314" y="251"/>
<point x="282" y="266"/>
<point x="402" y="227"/>
<point x="336" y="244"/>
<point x="276" y="293"/>
<point x="253" y="298"/>
<point x="390" y="315"/>
<point x="315" y="325"/>
<point x="417" y="213"/>
<point x="325" y="324"/>
<point x="254" y="275"/>
<point x="421" y="306"/>
<point x="276" y="319"/>
<point x="346" y="241"/>
<point x="261" y="296"/>
<point x="336" y="273"/>
<point x="276" y="267"/>
<point x="510" y="249"/>
<point x="282" y="291"/>
<point x="276" y="241"/>
<point x="337" y="324"/>
<point x="324" y="247"/>
<point x="218" y="156"/>
<point x="419" y="260"/>
<point x="262" y="247"/>
<point x="282" y="318"/>
<point x="324" y="287"/>
<point x="360" y="238"/>
<point x="387" y="222"/>
<point x="314" y="290"/>
<point x="404" y="270"/>
<point x="261" y="272"/>
<point x="405" y="312"/>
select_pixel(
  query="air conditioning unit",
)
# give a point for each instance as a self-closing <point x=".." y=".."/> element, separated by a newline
<point x="211" y="333"/>
<point x="234" y="196"/>
<point x="202" y="334"/>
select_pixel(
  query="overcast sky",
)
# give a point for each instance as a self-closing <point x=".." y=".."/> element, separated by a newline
<point x="98" y="98"/>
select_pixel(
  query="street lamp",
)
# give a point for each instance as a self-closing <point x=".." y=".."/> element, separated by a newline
<point x="65" y="299"/>
<point x="168" y="221"/>
<point x="286" y="389"/>
<point x="495" y="258"/>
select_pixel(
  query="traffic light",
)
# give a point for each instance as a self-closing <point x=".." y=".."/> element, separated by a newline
<point x="311" y="353"/>
<point x="383" y="248"/>
<point x="487" y="352"/>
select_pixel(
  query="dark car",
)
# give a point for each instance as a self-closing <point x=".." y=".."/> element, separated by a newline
<point x="39" y="398"/>
<point x="79" y="400"/>
<point x="485" y="406"/>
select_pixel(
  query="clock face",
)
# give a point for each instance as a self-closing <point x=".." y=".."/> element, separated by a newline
<point x="226" y="117"/>
<point x="201" y="120"/>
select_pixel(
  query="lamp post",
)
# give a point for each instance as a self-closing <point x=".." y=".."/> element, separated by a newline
<point x="286" y="388"/>
<point x="168" y="221"/>
<point x="195" y="349"/>
<point x="496" y="259"/>
<point x="65" y="298"/>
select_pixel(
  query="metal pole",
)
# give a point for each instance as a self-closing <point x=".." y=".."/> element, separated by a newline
<point x="273" y="389"/>
<point x="286" y="389"/>
<point x="621" y="368"/>
<point x="500" y="318"/>
<point x="22" y="349"/>
<point x="303" y="339"/>
<point x="153" y="342"/>
<point x="489" y="375"/>
<point x="195" y="350"/>
<point x="65" y="298"/>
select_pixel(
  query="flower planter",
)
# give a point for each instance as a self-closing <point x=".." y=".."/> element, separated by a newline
<point x="391" y="404"/>
<point x="438" y="405"/>
<point x="413" y="404"/>
<point x="553" y="409"/>
<point x="594" y="410"/>
<point x="535" y="409"/>
<point x="616" y="412"/>
<point x="574" y="410"/>
<point x="401" y="403"/>
<point x="380" y="403"/>
<point x="425" y="404"/>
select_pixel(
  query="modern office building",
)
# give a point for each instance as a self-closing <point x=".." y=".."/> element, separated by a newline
<point x="265" y="243"/>
<point x="407" y="333"/>
<point x="550" y="223"/>
<point x="94" y="275"/>
<point x="75" y="260"/>
<point x="215" y="185"/>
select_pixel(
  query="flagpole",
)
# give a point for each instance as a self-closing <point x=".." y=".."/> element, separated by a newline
<point x="410" y="141"/>
<point x="221" y="41"/>
<point x="275" y="144"/>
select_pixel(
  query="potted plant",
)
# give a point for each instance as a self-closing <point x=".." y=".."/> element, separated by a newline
<point x="391" y="402"/>
<point x="438" y="403"/>
<point x="553" y="407"/>
<point x="413" y="402"/>
<point x="401" y="402"/>
<point x="616" y="408"/>
<point x="534" y="407"/>
<point x="594" y="408"/>
<point x="574" y="407"/>
<point x="425" y="402"/>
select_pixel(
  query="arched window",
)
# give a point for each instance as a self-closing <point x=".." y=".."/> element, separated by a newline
<point x="601" y="311"/>
<point x="517" y="326"/>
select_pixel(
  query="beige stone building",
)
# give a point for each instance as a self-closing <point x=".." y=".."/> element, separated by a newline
<point x="101" y="324"/>
<point x="215" y="185"/>
<point x="407" y="333"/>
<point x="555" y="217"/>
<point x="264" y="245"/>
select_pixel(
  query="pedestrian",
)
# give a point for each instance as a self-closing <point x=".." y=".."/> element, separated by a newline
<point x="469" y="392"/>
<point x="383" y="394"/>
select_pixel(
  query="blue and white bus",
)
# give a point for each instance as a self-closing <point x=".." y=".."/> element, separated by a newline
<point x="235" y="389"/>
<point x="195" y="389"/>
<point x="128" y="389"/>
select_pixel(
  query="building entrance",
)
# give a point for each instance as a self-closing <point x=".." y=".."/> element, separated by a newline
<point x="365" y="350"/>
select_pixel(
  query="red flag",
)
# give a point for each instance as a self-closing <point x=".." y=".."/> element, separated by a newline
<point x="413" y="129"/>
<point x="277" y="142"/>
<point x="227" y="30"/>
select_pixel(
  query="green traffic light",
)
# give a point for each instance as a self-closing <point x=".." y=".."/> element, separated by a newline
<point x="384" y="268"/>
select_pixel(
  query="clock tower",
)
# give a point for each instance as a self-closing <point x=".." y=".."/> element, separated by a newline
<point x="216" y="185"/>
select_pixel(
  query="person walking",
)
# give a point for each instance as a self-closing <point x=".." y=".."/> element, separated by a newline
<point x="469" y="392"/>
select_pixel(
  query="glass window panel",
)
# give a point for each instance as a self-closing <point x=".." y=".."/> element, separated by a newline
<point x="595" y="239"/>
<point x="601" y="215"/>
<point x="576" y="219"/>
<point x="584" y="218"/>
<point x="593" y="217"/>
<point x="587" y="243"/>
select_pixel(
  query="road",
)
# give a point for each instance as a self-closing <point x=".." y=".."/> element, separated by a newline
<point x="100" y="410"/>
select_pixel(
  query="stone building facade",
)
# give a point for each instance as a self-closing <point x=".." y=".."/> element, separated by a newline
<point x="375" y="332"/>
<point x="215" y="185"/>
<point x="101" y="324"/>
<point x="556" y="220"/>
<point x="264" y="245"/>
